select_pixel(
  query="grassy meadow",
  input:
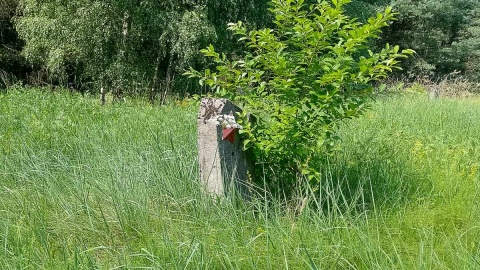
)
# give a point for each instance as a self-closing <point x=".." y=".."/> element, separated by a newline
<point x="84" y="186"/>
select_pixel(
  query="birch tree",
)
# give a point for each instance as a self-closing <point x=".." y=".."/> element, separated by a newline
<point x="127" y="45"/>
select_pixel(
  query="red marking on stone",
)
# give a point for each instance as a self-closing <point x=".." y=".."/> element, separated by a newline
<point x="228" y="134"/>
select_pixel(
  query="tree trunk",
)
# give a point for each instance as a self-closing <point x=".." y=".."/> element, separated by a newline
<point x="122" y="58"/>
<point x="156" y="77"/>
<point x="169" y="77"/>
<point x="102" y="96"/>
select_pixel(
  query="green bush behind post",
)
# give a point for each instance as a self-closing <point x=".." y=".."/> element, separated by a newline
<point x="300" y="80"/>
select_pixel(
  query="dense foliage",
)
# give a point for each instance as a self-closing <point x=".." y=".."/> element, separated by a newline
<point x="442" y="33"/>
<point x="11" y="62"/>
<point x="126" y="45"/>
<point x="142" y="46"/>
<point x="434" y="29"/>
<point x="300" y="80"/>
<point x="469" y="45"/>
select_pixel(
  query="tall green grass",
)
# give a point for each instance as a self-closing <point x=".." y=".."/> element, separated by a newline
<point x="116" y="187"/>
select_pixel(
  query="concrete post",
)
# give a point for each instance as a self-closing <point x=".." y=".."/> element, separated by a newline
<point x="223" y="164"/>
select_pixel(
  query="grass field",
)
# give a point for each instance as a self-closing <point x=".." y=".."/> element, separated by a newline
<point x="89" y="187"/>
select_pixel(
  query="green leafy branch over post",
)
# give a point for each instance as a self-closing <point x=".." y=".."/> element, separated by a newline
<point x="300" y="79"/>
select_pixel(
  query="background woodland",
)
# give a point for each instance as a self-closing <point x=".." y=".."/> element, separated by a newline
<point x="142" y="47"/>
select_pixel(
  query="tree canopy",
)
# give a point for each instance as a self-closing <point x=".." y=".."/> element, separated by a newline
<point x="11" y="62"/>
<point x="126" y="45"/>
<point x="141" y="46"/>
<point x="432" y="28"/>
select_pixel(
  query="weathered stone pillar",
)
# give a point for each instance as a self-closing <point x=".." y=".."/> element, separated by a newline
<point x="223" y="163"/>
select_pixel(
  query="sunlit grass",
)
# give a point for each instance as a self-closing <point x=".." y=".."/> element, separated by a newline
<point x="84" y="186"/>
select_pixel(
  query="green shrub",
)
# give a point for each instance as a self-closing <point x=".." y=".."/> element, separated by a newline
<point x="300" y="80"/>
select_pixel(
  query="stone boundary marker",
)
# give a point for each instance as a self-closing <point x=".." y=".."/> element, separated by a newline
<point x="223" y="163"/>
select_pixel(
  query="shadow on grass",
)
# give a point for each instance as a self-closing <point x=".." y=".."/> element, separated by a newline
<point x="370" y="177"/>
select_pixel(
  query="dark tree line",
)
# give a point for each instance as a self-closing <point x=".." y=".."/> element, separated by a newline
<point x="143" y="46"/>
<point x="11" y="61"/>
<point x="443" y="34"/>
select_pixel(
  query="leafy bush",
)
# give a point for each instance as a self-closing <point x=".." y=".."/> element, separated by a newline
<point x="300" y="80"/>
